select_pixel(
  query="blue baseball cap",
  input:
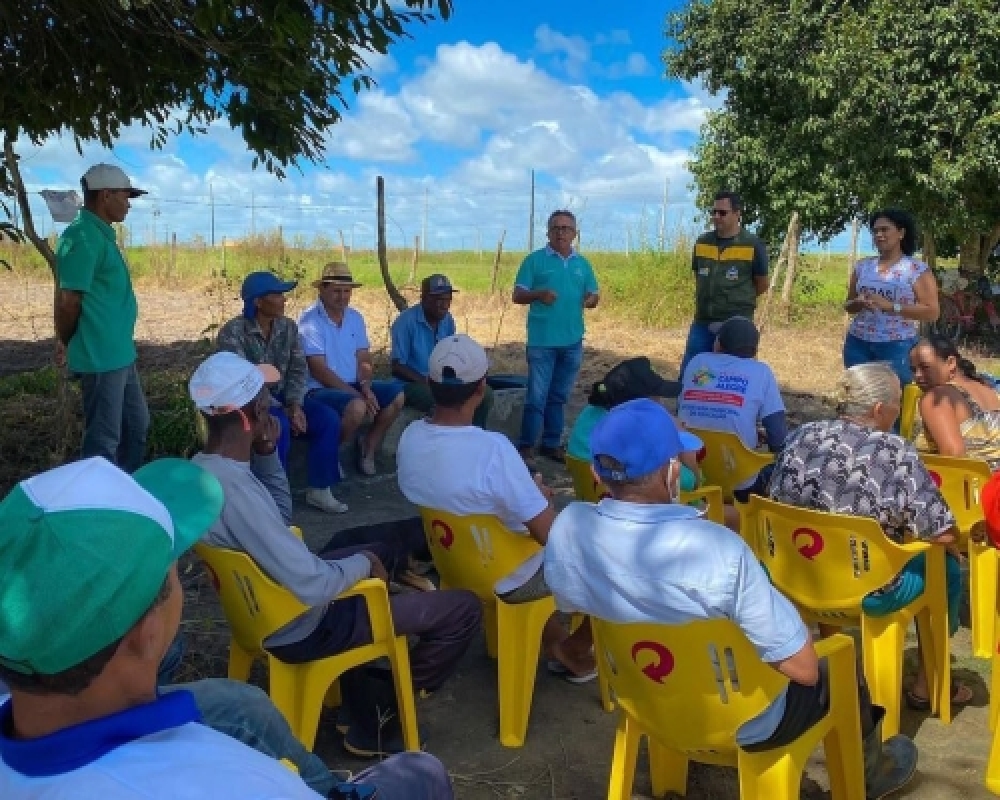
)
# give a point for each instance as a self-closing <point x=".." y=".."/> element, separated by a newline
<point x="258" y="284"/>
<point x="639" y="435"/>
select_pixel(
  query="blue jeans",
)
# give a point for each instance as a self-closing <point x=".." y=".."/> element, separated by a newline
<point x="115" y="417"/>
<point x="337" y="399"/>
<point x="700" y="340"/>
<point x="897" y="354"/>
<point x="246" y="713"/>
<point x="552" y="372"/>
<point x="323" y="435"/>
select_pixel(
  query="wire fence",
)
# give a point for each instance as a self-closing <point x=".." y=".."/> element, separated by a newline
<point x="443" y="219"/>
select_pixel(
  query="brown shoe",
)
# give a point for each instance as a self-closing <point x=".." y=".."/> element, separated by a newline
<point x="528" y="454"/>
<point x="554" y="453"/>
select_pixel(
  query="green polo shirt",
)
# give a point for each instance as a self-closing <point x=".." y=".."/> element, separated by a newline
<point x="88" y="261"/>
<point x="560" y="324"/>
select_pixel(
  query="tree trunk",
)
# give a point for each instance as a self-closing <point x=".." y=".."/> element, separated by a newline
<point x="974" y="252"/>
<point x="929" y="250"/>
<point x="22" y="201"/>
<point x="794" y="234"/>
<point x="383" y="259"/>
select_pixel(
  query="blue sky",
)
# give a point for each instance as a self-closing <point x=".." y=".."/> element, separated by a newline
<point x="461" y="115"/>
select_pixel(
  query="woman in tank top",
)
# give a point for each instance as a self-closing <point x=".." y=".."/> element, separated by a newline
<point x="960" y="410"/>
<point x="889" y="296"/>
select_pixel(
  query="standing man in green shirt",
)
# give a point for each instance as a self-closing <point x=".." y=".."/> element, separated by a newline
<point x="558" y="284"/>
<point x="730" y="272"/>
<point x="95" y="315"/>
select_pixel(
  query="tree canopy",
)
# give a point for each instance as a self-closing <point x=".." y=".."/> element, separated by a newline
<point x="274" y="68"/>
<point x="838" y="107"/>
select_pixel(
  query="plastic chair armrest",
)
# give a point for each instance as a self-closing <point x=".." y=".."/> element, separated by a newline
<point x="376" y="597"/>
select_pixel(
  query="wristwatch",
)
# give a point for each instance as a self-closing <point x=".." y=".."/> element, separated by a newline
<point x="897" y="308"/>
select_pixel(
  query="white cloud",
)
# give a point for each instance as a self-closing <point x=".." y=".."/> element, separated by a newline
<point x="467" y="127"/>
<point x="572" y="52"/>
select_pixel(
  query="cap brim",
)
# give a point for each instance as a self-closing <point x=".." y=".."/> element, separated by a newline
<point x="137" y="192"/>
<point x="442" y="291"/>
<point x="669" y="388"/>
<point x="192" y="496"/>
<point x="689" y="442"/>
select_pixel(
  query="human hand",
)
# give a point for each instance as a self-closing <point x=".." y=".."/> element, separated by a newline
<point x="266" y="439"/>
<point x="546" y="296"/>
<point x="371" y="402"/>
<point x="378" y="570"/>
<point x="297" y="419"/>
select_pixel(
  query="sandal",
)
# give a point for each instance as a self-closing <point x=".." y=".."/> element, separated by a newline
<point x="960" y="695"/>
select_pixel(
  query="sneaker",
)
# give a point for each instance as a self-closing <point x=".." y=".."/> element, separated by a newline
<point x="560" y="670"/>
<point x="324" y="500"/>
<point x="554" y="453"/>
<point x="418" y="582"/>
<point x="388" y="741"/>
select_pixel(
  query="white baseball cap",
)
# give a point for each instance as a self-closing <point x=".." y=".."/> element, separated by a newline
<point x="225" y="382"/>
<point x="457" y="359"/>
<point x="108" y="176"/>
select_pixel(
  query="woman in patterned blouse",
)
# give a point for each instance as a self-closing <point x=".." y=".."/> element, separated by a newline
<point x="855" y="465"/>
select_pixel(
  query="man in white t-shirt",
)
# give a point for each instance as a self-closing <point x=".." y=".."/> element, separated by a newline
<point x="89" y="604"/>
<point x="341" y="375"/>
<point x="447" y="463"/>
<point x="730" y="390"/>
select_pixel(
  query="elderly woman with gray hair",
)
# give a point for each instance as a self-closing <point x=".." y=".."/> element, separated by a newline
<point x="855" y="465"/>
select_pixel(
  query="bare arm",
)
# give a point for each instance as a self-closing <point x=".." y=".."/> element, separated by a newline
<point x="539" y="526"/>
<point x="854" y="303"/>
<point x="326" y="376"/>
<point x="941" y="424"/>
<point x="760" y="284"/>
<point x="803" y="667"/>
<point x="525" y="297"/>
<point x="406" y="373"/>
<point x="591" y="299"/>
<point x="68" y="305"/>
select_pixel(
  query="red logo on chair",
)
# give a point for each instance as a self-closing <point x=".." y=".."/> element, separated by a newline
<point x="936" y="477"/>
<point x="661" y="667"/>
<point x="812" y="542"/>
<point x="447" y="538"/>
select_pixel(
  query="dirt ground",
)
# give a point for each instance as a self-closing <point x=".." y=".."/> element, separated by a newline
<point x="569" y="744"/>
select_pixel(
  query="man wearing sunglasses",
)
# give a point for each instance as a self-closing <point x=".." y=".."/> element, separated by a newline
<point x="730" y="270"/>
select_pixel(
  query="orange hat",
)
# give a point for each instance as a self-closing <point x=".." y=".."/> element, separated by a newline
<point x="990" y="497"/>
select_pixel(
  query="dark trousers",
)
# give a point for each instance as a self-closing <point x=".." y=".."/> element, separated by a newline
<point x="443" y="622"/>
<point x="405" y="536"/>
<point x="807" y="705"/>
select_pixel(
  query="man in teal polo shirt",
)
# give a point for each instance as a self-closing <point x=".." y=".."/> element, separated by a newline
<point x="558" y="284"/>
<point x="95" y="314"/>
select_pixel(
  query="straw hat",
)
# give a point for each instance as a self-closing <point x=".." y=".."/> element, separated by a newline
<point x="336" y="272"/>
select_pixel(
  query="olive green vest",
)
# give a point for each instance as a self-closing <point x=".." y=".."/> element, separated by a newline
<point x="724" y="278"/>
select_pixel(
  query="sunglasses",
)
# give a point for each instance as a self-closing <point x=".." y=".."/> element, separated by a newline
<point x="720" y="212"/>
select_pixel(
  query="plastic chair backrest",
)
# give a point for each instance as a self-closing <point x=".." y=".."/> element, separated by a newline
<point x="473" y="552"/>
<point x="255" y="606"/>
<point x="908" y="410"/>
<point x="728" y="462"/>
<point x="960" y="481"/>
<point x="705" y="673"/>
<point x="823" y="562"/>
<point x="586" y="487"/>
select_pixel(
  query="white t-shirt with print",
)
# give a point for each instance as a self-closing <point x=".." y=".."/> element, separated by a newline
<point x="466" y="470"/>
<point x="727" y="393"/>
<point x="896" y="286"/>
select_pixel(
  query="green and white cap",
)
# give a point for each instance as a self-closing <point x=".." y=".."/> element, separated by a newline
<point x="84" y="550"/>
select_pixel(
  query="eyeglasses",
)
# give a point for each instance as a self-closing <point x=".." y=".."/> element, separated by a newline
<point x="720" y="212"/>
<point x="562" y="229"/>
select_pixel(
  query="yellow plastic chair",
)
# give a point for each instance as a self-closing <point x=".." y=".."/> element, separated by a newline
<point x="993" y="764"/>
<point x="728" y="462"/>
<point x="908" y="411"/>
<point x="688" y="688"/>
<point x="256" y="607"/>
<point x="960" y="481"/>
<point x="827" y="563"/>
<point x="590" y="490"/>
<point x="474" y="552"/>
